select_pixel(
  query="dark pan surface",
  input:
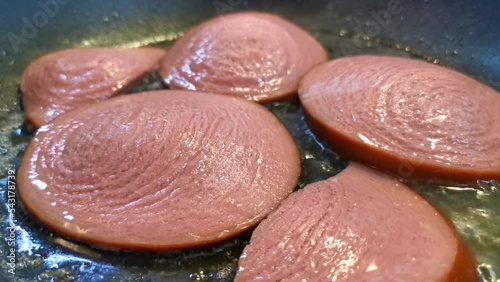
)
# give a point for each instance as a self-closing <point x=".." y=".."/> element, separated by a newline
<point x="460" y="34"/>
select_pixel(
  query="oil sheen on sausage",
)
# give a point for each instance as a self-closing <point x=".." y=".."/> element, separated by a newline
<point x="62" y="81"/>
<point x="360" y="225"/>
<point x="252" y="55"/>
<point x="408" y="117"/>
<point x="158" y="170"/>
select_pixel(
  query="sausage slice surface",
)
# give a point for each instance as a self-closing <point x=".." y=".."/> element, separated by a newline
<point x="158" y="170"/>
<point x="65" y="80"/>
<point x="256" y="56"/>
<point x="360" y="225"/>
<point x="408" y="117"/>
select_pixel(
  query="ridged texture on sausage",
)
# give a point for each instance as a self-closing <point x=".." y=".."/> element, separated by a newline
<point x="62" y="81"/>
<point x="158" y="170"/>
<point x="360" y="225"/>
<point x="408" y="117"/>
<point x="251" y="55"/>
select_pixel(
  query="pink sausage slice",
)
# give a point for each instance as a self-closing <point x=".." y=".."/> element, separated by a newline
<point x="158" y="170"/>
<point x="63" y="81"/>
<point x="408" y="117"/>
<point x="360" y="225"/>
<point x="252" y="55"/>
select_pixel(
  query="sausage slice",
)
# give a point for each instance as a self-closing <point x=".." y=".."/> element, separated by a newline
<point x="360" y="225"/>
<point x="62" y="81"/>
<point x="252" y="55"/>
<point x="158" y="170"/>
<point x="408" y="117"/>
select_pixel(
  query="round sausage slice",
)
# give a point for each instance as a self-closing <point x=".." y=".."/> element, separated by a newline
<point x="407" y="117"/>
<point x="62" y="81"/>
<point x="159" y="170"/>
<point x="251" y="55"/>
<point x="360" y="225"/>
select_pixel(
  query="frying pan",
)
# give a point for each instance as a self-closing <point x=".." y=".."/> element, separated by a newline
<point x="460" y="34"/>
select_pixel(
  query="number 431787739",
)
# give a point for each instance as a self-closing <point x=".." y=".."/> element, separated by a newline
<point x="11" y="190"/>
